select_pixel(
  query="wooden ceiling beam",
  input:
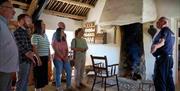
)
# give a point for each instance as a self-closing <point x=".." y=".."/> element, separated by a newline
<point x="21" y="5"/>
<point x="32" y="7"/>
<point x="39" y="10"/>
<point x="77" y="3"/>
<point x="64" y="15"/>
<point x="50" y="3"/>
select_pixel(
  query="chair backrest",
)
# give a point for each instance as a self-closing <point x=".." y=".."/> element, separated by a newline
<point x="100" y="65"/>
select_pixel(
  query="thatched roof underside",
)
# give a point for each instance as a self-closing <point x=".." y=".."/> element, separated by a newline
<point x="74" y="9"/>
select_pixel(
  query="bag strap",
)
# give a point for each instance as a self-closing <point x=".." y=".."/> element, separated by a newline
<point x="74" y="47"/>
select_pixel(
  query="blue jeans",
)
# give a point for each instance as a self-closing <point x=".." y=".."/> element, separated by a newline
<point x="23" y="75"/>
<point x="60" y="65"/>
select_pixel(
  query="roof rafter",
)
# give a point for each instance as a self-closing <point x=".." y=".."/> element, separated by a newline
<point x="73" y="13"/>
<point x="32" y="7"/>
<point x="76" y="3"/>
<point x="64" y="15"/>
<point x="41" y="6"/>
<point x="22" y="5"/>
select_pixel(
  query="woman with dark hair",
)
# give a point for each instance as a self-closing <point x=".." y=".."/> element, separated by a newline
<point x="79" y="46"/>
<point x="61" y="61"/>
<point x="40" y="44"/>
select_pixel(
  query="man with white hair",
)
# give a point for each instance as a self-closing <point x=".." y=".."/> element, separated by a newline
<point x="162" y="49"/>
<point x="9" y="50"/>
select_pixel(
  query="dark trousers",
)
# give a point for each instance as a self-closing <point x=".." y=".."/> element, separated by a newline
<point x="163" y="79"/>
<point x="41" y="73"/>
<point x="5" y="84"/>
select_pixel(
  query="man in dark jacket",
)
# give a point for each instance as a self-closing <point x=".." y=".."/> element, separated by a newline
<point x="162" y="49"/>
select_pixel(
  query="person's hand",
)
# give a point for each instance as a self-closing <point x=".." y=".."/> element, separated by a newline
<point x="30" y="55"/>
<point x="39" y="62"/>
<point x="65" y="58"/>
<point x="153" y="48"/>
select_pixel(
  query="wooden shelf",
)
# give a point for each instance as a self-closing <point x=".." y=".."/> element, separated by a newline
<point x="91" y="35"/>
<point x="90" y="32"/>
<point x="101" y="38"/>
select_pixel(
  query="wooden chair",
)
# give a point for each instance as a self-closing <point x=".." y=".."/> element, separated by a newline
<point x="103" y="71"/>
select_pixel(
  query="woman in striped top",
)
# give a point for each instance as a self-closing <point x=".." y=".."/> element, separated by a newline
<point x="40" y="44"/>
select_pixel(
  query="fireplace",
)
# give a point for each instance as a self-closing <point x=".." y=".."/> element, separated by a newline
<point x="132" y="51"/>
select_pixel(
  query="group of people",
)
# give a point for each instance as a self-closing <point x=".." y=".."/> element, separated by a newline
<point x="21" y="49"/>
<point x="61" y="61"/>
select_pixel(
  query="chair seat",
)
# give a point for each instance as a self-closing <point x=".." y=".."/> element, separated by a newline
<point x="105" y="75"/>
<point x="101" y="69"/>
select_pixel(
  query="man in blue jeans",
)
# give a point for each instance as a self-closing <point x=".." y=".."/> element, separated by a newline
<point x="162" y="49"/>
<point x="25" y="51"/>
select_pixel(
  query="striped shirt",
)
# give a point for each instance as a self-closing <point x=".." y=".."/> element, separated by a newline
<point x="42" y="44"/>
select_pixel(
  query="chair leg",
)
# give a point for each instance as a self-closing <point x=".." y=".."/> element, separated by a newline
<point x="102" y="80"/>
<point x="93" y="83"/>
<point x="105" y="84"/>
<point x="117" y="82"/>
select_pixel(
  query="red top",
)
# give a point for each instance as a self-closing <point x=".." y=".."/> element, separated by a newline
<point x="61" y="46"/>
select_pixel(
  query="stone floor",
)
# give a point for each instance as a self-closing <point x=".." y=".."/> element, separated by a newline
<point x="124" y="85"/>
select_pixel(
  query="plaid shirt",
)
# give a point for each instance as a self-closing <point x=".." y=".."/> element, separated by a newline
<point x="24" y="43"/>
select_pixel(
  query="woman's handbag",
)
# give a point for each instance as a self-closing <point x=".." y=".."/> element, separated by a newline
<point x="72" y="56"/>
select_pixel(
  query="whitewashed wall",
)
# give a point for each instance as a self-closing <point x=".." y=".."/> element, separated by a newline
<point x="173" y="25"/>
<point x="168" y="8"/>
<point x="149" y="12"/>
<point x="111" y="50"/>
<point x="149" y="59"/>
<point x="121" y="12"/>
<point x="18" y="11"/>
<point x="52" y="21"/>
